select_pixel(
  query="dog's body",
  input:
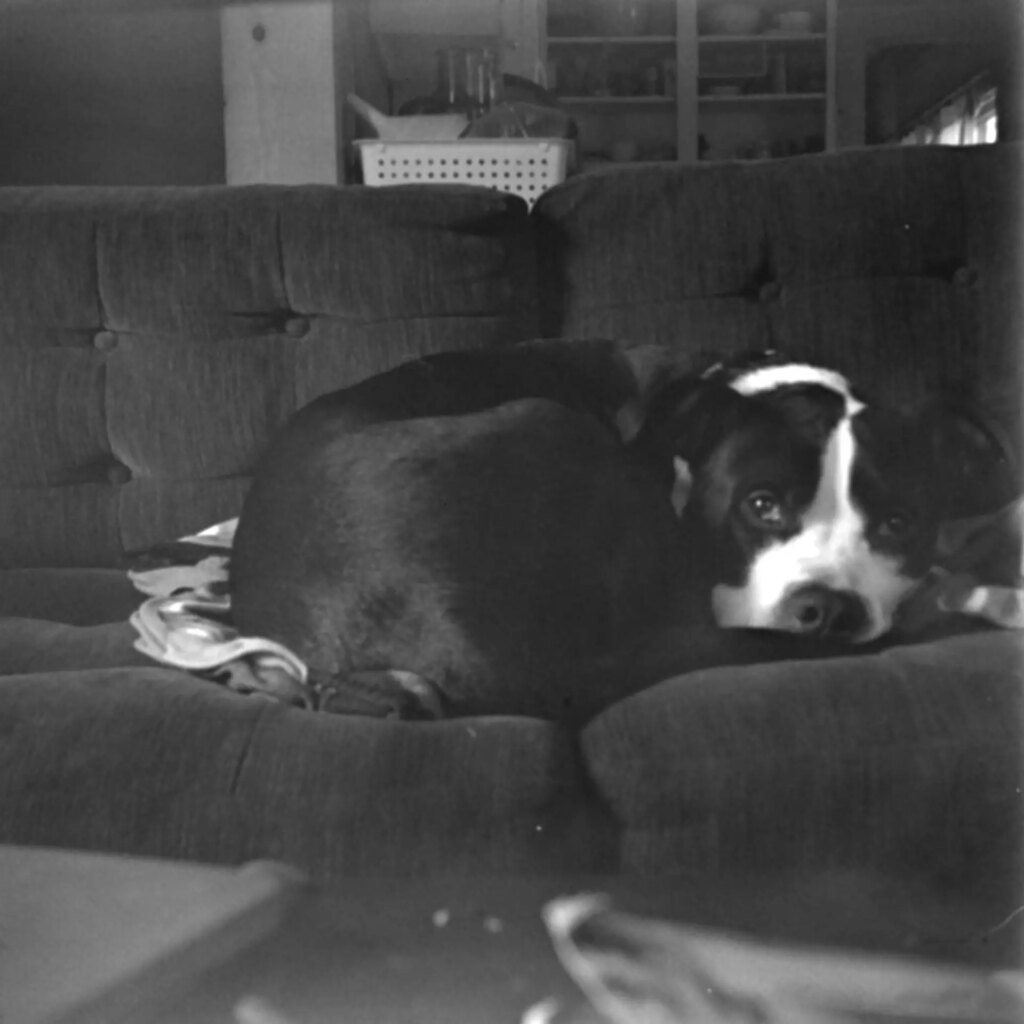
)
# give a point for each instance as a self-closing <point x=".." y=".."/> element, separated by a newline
<point x="473" y="519"/>
<point x="498" y="533"/>
<point x="488" y="553"/>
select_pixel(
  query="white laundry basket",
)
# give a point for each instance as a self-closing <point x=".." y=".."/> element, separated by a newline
<point x="524" y="167"/>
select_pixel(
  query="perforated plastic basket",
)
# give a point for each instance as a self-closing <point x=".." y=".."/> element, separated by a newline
<point x="525" y="167"/>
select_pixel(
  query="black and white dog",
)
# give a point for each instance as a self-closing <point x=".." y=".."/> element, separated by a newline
<point x="814" y="511"/>
<point x="545" y="529"/>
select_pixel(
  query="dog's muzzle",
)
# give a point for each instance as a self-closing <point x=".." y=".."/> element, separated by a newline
<point x="817" y="610"/>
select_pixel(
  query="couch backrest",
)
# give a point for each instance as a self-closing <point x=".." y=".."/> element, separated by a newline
<point x="153" y="339"/>
<point x="901" y="266"/>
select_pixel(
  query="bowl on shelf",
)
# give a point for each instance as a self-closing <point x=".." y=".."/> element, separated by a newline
<point x="794" y="21"/>
<point x="621" y="17"/>
<point x="731" y="19"/>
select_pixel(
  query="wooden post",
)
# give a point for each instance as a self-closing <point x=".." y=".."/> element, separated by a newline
<point x="687" y="70"/>
<point x="281" y="108"/>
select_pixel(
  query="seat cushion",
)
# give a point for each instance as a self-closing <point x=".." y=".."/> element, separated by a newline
<point x="54" y="620"/>
<point x="153" y="761"/>
<point x="36" y="645"/>
<point x="102" y="749"/>
<point x="79" y="597"/>
<point x="905" y="761"/>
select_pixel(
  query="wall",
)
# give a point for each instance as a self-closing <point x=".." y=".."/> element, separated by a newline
<point x="111" y="99"/>
<point x="866" y="27"/>
<point x="127" y="98"/>
<point x="904" y="82"/>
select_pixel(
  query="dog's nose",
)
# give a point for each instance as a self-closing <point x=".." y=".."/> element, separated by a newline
<point x="816" y="610"/>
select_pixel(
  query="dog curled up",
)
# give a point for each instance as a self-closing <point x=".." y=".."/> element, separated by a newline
<point x="545" y="529"/>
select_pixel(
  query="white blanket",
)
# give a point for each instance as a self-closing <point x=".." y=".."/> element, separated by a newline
<point x="186" y="623"/>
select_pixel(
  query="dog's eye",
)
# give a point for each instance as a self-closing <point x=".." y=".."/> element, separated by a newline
<point x="895" y="526"/>
<point x="766" y="508"/>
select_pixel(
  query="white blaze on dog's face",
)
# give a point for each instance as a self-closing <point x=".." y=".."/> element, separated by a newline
<point x="811" y="501"/>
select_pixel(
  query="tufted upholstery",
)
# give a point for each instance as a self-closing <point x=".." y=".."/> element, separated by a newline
<point x="157" y="337"/>
<point x="900" y="266"/>
<point x="150" y="341"/>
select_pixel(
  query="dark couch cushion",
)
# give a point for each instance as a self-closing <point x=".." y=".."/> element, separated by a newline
<point x="36" y="645"/>
<point x="79" y="597"/>
<point x="157" y="337"/>
<point x="151" y="761"/>
<point x="905" y="761"/>
<point x="101" y="749"/>
<point x="899" y="266"/>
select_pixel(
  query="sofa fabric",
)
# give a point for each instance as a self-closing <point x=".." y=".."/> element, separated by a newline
<point x="78" y="597"/>
<point x="152" y="340"/>
<point x="155" y="338"/>
<point x="152" y="761"/>
<point x="908" y="762"/>
<point x="898" y="266"/>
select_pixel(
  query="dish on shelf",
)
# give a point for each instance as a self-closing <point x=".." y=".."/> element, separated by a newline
<point x="732" y="60"/>
<point x="731" y="19"/>
<point x="621" y="17"/>
<point x="794" y="21"/>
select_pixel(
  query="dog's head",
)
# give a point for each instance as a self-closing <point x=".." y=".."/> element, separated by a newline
<point x="808" y="509"/>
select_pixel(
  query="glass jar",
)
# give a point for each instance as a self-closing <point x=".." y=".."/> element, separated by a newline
<point x="451" y="90"/>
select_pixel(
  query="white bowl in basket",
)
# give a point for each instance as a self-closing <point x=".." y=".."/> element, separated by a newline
<point x="411" y="127"/>
<point x="732" y="19"/>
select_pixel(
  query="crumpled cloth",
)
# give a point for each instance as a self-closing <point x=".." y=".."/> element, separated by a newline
<point x="185" y="622"/>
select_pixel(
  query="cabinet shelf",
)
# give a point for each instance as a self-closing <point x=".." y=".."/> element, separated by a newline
<point x="769" y="38"/>
<point x="766" y="97"/>
<point x="631" y="102"/>
<point x="611" y="40"/>
<point x="662" y="80"/>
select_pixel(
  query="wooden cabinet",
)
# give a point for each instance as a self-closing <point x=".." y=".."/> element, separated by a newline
<point x="614" y="66"/>
<point x="693" y="79"/>
<point x="286" y="69"/>
<point x="762" y="91"/>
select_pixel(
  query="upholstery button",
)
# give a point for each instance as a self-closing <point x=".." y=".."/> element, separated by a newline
<point x="769" y="291"/>
<point x="965" y="277"/>
<point x="105" y="340"/>
<point x="118" y="474"/>
<point x="296" y="326"/>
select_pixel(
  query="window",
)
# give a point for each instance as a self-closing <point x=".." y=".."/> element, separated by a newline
<point x="967" y="118"/>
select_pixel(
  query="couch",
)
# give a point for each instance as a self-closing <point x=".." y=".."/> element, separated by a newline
<point x="152" y="339"/>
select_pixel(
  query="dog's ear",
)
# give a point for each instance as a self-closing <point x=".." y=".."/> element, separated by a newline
<point x="683" y="423"/>
<point x="652" y="369"/>
<point x="686" y="419"/>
